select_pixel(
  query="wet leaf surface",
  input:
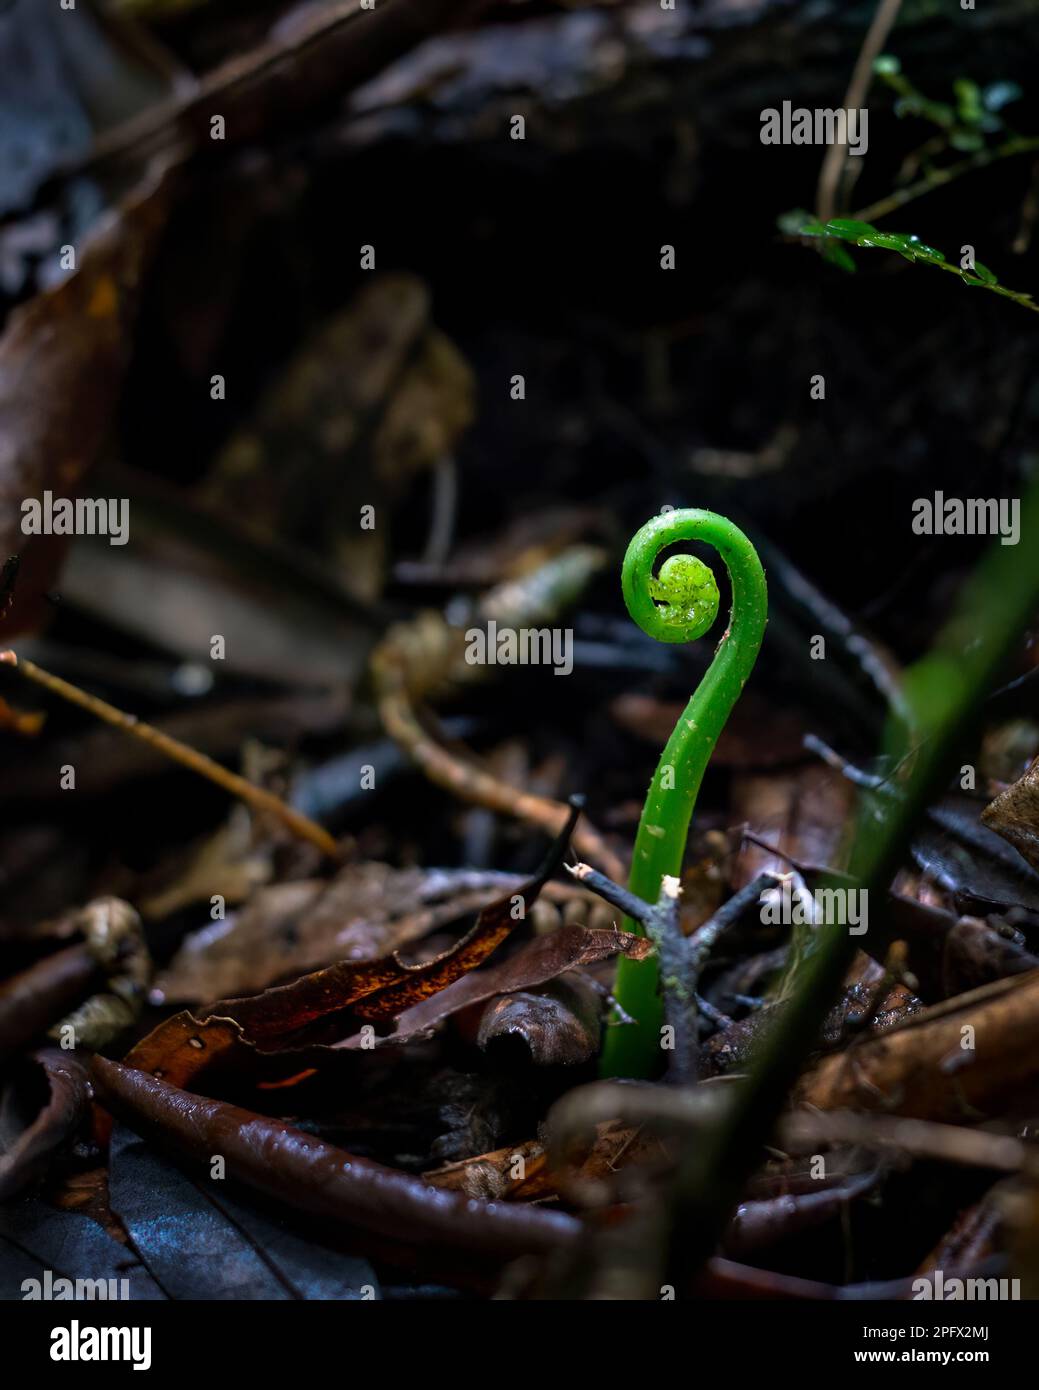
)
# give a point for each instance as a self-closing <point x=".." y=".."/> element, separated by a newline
<point x="34" y="1239"/>
<point x="198" y="1241"/>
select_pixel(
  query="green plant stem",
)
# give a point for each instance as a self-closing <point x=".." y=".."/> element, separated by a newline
<point x="937" y="178"/>
<point x="945" y="690"/>
<point x="1025" y="300"/>
<point x="675" y="606"/>
<point x="864" y="234"/>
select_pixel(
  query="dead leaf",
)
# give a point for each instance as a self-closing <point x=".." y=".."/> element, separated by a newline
<point x="198" y="1242"/>
<point x="921" y="1067"/>
<point x="376" y="395"/>
<point x="555" y="1026"/>
<point x="320" y="1180"/>
<point x="33" y="999"/>
<point x="41" y="1107"/>
<point x="61" y="366"/>
<point x="38" y="1242"/>
<point x="537" y="962"/>
<point x="1015" y="815"/>
<point x="368" y="910"/>
<point x="316" y="1007"/>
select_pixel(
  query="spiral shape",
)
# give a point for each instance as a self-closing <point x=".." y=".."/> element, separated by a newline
<point x="678" y="603"/>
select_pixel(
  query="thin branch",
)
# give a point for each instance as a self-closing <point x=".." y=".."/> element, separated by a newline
<point x="938" y="178"/>
<point x="858" y="88"/>
<point x="258" y="798"/>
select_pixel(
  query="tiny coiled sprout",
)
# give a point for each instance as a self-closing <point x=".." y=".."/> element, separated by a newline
<point x="678" y="602"/>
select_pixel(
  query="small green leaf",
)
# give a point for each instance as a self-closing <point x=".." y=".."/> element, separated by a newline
<point x="983" y="273"/>
<point x="966" y="140"/>
<point x="838" y="255"/>
<point x="922" y="251"/>
<point x="892" y="241"/>
<point x="849" y="230"/>
<point x="968" y="100"/>
<point x="796" y="222"/>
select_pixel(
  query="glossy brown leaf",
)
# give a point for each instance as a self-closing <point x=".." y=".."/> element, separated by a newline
<point x="313" y="1009"/>
<point x="37" y="997"/>
<point x="539" y="961"/>
<point x="309" y="1176"/>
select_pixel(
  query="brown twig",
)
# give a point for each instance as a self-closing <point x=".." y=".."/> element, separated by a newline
<point x="938" y="178"/>
<point x="464" y="779"/>
<point x="836" y="156"/>
<point x="974" y="1148"/>
<point x="901" y="1069"/>
<point x="258" y="798"/>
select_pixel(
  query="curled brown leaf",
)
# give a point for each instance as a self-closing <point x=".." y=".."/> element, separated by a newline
<point x="306" y="1175"/>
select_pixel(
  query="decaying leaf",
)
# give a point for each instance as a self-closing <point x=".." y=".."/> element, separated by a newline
<point x="49" y="1246"/>
<point x="317" y="1007"/>
<point x="947" y="954"/>
<point x="42" y="1105"/>
<point x="983" y="1045"/>
<point x="963" y="856"/>
<point x="1015" y="815"/>
<point x="537" y="962"/>
<point x="374" y="396"/>
<point x="557" y="1025"/>
<point x="116" y="941"/>
<point x="310" y="1177"/>
<point x="367" y="910"/>
<point x="61" y="366"/>
<point x="32" y="1000"/>
<point x="199" y="1242"/>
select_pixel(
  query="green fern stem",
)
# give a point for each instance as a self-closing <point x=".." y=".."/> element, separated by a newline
<point x="679" y="604"/>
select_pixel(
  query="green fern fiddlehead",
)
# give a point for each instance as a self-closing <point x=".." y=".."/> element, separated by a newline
<point x="678" y="604"/>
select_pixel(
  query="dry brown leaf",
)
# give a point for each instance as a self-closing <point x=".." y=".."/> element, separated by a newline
<point x="1015" y="815"/>
<point x="42" y="1105"/>
<point x="62" y="359"/>
<point x="539" y="961"/>
<point x="315" y="1008"/>
<point x="971" y="1054"/>
<point x="368" y="910"/>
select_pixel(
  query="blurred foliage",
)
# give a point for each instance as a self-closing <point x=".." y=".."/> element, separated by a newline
<point x="966" y="123"/>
